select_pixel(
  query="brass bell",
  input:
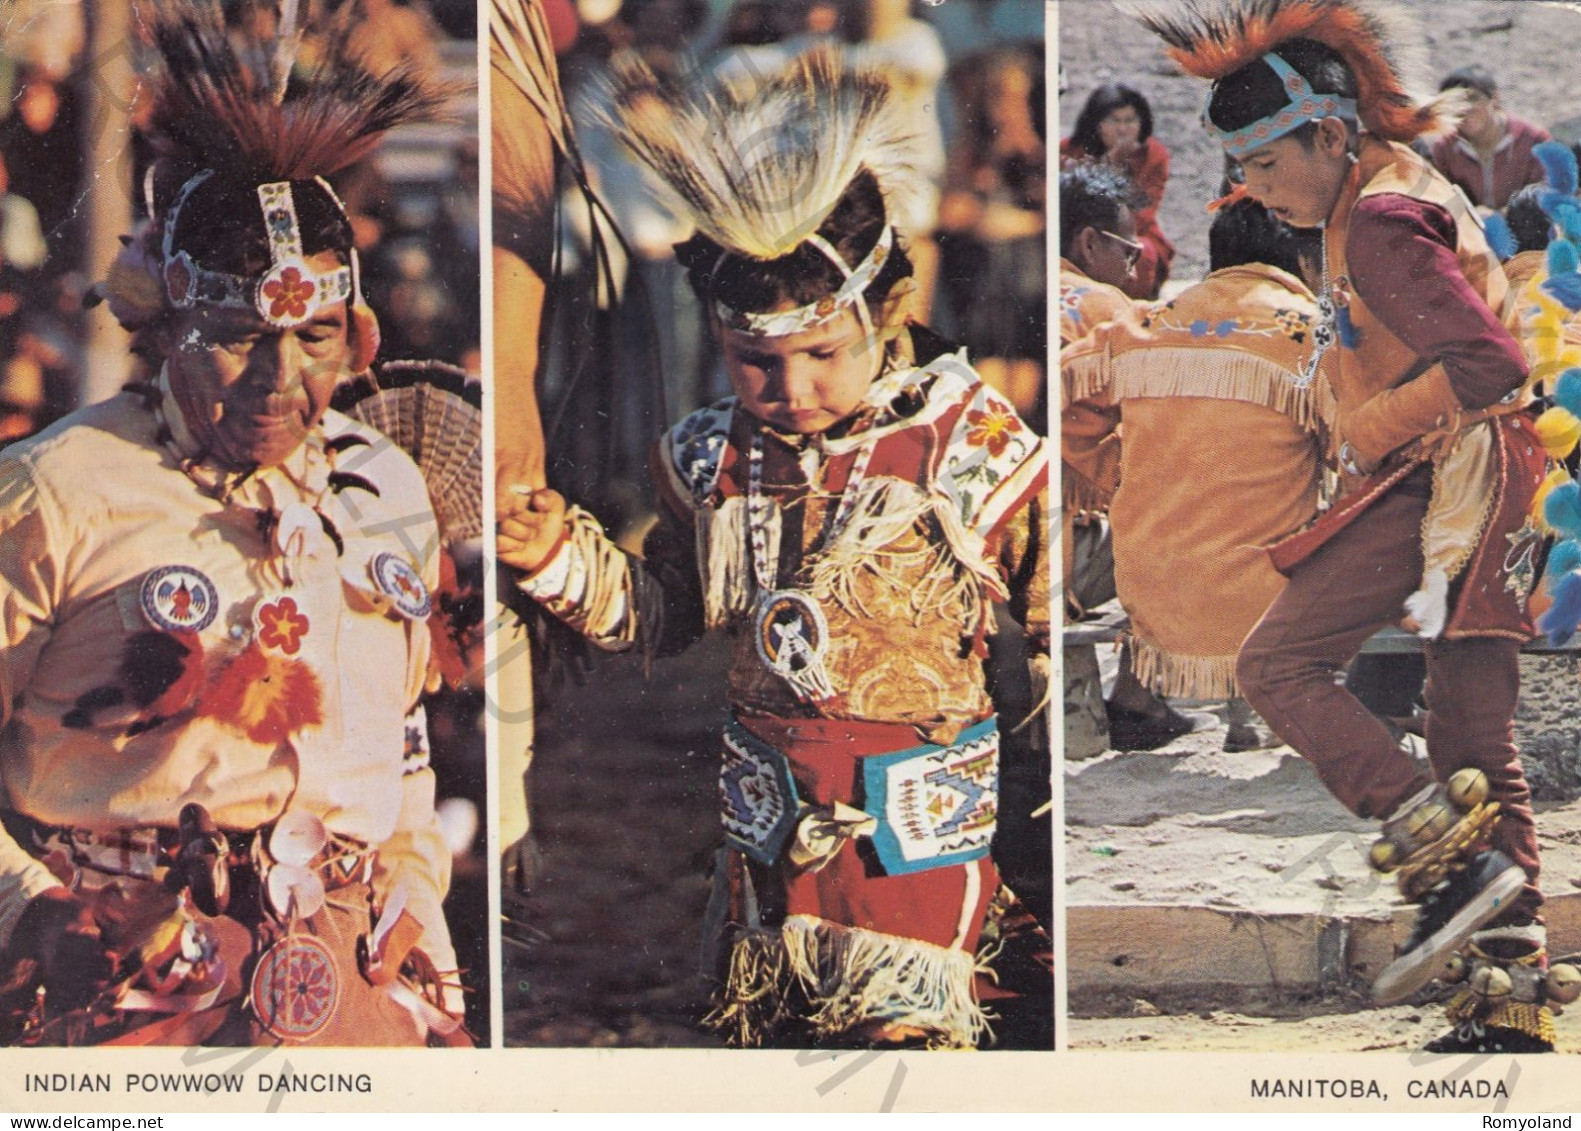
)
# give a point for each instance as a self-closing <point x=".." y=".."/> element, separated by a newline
<point x="1467" y="789"/>
<point x="1563" y="983"/>
<point x="1491" y="981"/>
<point x="1454" y="969"/>
<point x="1384" y="856"/>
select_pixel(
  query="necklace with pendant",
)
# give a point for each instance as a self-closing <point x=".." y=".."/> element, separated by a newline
<point x="1326" y="330"/>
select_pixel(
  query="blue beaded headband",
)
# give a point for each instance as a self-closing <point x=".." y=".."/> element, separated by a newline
<point x="1304" y="106"/>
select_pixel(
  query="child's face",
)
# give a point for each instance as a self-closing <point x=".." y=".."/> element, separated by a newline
<point x="806" y="382"/>
<point x="1296" y="182"/>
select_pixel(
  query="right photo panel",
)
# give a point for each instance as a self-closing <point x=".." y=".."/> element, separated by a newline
<point x="1320" y="392"/>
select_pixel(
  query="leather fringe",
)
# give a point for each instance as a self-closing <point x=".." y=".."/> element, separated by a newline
<point x="850" y="977"/>
<point x="1176" y="372"/>
<point x="1176" y="675"/>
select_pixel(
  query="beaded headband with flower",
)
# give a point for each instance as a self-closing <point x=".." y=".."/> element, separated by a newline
<point x="287" y="294"/>
<point x="229" y="112"/>
<point x="756" y="166"/>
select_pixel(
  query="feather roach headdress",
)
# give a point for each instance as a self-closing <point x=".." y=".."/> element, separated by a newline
<point x="245" y="133"/>
<point x="757" y="165"/>
<point x="257" y="111"/>
<point x="1379" y="41"/>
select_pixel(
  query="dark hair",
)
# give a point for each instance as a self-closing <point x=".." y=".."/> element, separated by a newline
<point x="1091" y="196"/>
<point x="1100" y="104"/>
<point x="1471" y="77"/>
<point x="805" y="275"/>
<point x="1246" y="232"/>
<point x="1256" y="91"/>
<point x="222" y="227"/>
<point x="1529" y="224"/>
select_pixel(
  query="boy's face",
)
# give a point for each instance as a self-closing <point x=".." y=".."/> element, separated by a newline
<point x="1297" y="182"/>
<point x="806" y="382"/>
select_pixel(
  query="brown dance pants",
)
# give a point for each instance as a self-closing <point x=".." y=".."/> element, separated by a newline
<point x="1290" y="667"/>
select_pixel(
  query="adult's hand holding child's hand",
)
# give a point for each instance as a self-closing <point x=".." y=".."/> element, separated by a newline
<point x="530" y="526"/>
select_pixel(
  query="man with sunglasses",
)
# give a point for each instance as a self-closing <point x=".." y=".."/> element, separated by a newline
<point x="1098" y="252"/>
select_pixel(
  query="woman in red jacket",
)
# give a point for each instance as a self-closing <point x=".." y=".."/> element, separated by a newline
<point x="1116" y="127"/>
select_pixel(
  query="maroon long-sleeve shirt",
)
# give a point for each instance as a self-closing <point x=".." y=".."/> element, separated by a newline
<point x="1400" y="254"/>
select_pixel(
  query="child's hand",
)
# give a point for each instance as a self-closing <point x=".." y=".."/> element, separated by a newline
<point x="529" y="527"/>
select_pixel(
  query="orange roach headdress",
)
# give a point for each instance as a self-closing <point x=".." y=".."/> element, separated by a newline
<point x="245" y="133"/>
<point x="1379" y="41"/>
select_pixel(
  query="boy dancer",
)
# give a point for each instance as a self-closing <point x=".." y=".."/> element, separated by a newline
<point x="849" y="517"/>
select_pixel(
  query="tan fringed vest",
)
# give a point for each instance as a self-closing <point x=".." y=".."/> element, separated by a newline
<point x="1380" y="360"/>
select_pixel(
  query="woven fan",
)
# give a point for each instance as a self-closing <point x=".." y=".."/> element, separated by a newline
<point x="431" y="412"/>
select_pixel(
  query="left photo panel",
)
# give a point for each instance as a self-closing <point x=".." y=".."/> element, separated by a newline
<point x="242" y="764"/>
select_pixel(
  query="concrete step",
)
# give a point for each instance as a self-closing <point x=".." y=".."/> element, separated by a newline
<point x="1193" y="869"/>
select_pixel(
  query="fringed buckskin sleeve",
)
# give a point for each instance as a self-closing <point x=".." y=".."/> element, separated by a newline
<point x="617" y="601"/>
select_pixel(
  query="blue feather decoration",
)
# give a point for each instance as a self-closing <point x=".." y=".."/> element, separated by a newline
<point x="1564" y="558"/>
<point x="1566" y="288"/>
<point x="1568" y="217"/>
<point x="1562" y="509"/>
<point x="1559" y="166"/>
<point x="1564" y="615"/>
<point x="1562" y="257"/>
<point x="1500" y="238"/>
<point x="1567" y="391"/>
<point x="1346" y="328"/>
<point x="1551" y="202"/>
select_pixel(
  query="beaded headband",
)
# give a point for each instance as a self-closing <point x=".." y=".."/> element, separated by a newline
<point x="288" y="294"/>
<point x="1304" y="106"/>
<point x="814" y="314"/>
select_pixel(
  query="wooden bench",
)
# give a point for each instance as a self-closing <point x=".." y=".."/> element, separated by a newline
<point x="1086" y="721"/>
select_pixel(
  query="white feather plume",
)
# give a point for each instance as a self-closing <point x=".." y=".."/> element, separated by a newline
<point x="758" y="164"/>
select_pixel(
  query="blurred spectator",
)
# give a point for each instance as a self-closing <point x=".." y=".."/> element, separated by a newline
<point x="1116" y="128"/>
<point x="48" y="35"/>
<point x="883" y="34"/>
<point x="753" y="23"/>
<point x="992" y="229"/>
<point x="663" y="31"/>
<point x="656" y="345"/>
<point x="750" y="40"/>
<point x="390" y="33"/>
<point x="1489" y="154"/>
<point x="21" y="238"/>
<point x="979" y="25"/>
